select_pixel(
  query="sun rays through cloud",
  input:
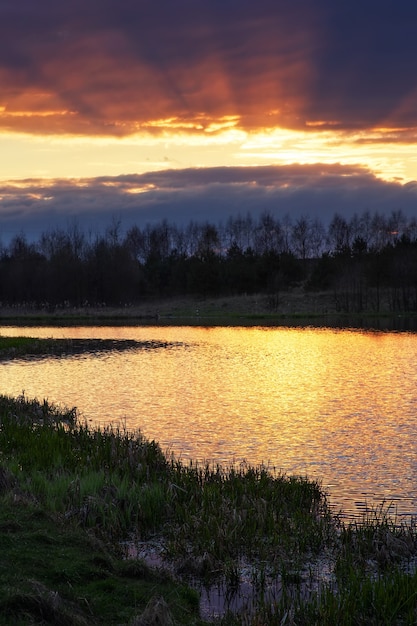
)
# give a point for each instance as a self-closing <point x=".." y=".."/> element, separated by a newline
<point x="108" y="90"/>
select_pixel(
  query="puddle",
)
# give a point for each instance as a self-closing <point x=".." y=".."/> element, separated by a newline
<point x="251" y="587"/>
<point x="243" y="599"/>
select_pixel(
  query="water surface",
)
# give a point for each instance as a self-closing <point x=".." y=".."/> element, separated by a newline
<point x="336" y="405"/>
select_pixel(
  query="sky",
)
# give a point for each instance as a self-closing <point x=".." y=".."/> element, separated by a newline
<point x="141" y="110"/>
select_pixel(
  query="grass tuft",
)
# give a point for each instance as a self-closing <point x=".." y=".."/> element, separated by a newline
<point x="75" y="499"/>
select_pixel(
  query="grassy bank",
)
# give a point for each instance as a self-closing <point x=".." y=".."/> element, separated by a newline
<point x="30" y="347"/>
<point x="76" y="501"/>
<point x="68" y="496"/>
<point x="295" y="307"/>
<point x="239" y="310"/>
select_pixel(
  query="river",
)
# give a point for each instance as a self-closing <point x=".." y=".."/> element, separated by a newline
<point x="339" y="406"/>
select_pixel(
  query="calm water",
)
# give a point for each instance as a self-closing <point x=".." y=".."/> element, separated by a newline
<point x="336" y="405"/>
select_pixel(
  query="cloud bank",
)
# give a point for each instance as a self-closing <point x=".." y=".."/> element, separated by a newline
<point x="209" y="194"/>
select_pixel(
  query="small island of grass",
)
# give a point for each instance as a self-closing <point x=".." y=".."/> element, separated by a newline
<point x="29" y="347"/>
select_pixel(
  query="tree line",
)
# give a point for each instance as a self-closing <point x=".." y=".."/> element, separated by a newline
<point x="358" y="259"/>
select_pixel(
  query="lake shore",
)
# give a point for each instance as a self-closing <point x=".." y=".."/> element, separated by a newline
<point x="294" y="302"/>
<point x="80" y="504"/>
<point x="296" y="307"/>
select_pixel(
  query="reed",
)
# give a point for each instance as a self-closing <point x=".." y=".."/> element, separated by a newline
<point x="73" y="496"/>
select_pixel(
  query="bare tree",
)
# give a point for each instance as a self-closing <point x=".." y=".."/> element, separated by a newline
<point x="339" y="234"/>
<point x="379" y="232"/>
<point x="301" y="238"/>
<point x="268" y="235"/>
<point x="317" y="238"/>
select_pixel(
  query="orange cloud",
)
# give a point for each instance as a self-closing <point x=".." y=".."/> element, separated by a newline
<point x="119" y="69"/>
<point x="107" y="79"/>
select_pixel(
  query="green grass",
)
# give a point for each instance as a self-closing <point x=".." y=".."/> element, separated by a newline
<point x="18" y="347"/>
<point x="72" y="495"/>
<point x="67" y="495"/>
<point x="54" y="572"/>
<point x="16" y="343"/>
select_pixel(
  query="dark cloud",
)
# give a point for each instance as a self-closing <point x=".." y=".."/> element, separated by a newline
<point x="208" y="194"/>
<point x="108" y="67"/>
<point x="366" y="64"/>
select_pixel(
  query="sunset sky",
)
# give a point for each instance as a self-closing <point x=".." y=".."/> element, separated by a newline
<point x="200" y="109"/>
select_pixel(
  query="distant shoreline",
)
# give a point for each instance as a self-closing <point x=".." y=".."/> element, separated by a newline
<point x="290" y="308"/>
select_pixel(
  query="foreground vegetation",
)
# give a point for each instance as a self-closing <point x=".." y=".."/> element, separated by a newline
<point x="77" y="500"/>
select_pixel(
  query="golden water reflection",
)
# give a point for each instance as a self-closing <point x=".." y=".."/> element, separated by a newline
<point x="337" y="405"/>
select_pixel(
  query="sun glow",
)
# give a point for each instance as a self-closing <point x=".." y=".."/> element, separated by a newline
<point x="174" y="143"/>
<point x="284" y="147"/>
<point x="141" y="189"/>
